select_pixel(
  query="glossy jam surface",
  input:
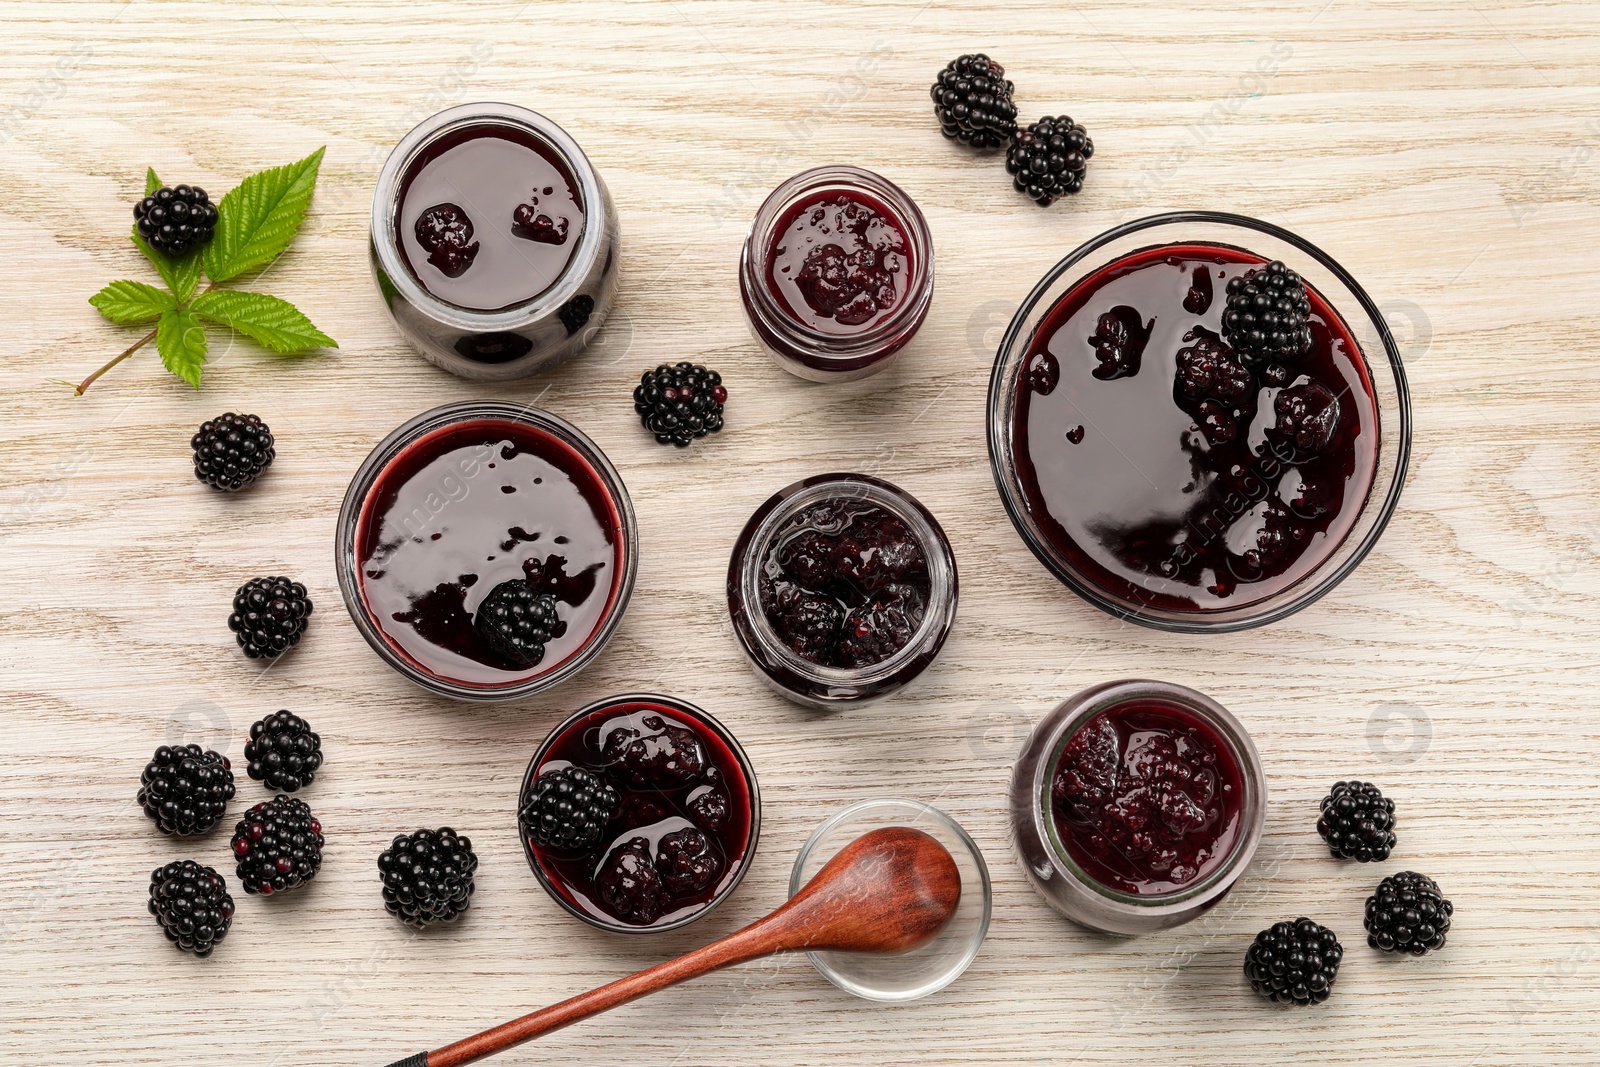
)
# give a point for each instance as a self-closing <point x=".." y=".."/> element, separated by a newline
<point x="470" y="506"/>
<point x="1185" y="494"/>
<point x="839" y="262"/>
<point x="488" y="217"/>
<point x="681" y="789"/>
<point x="1147" y="798"/>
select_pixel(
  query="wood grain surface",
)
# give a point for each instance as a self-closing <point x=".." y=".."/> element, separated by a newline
<point x="1446" y="151"/>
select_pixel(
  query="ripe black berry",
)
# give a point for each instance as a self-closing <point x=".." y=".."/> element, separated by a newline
<point x="231" y="451"/>
<point x="269" y="616"/>
<point x="1407" y="914"/>
<point x="283" y="752"/>
<point x="427" y="876"/>
<point x="517" y="621"/>
<point x="1294" y="962"/>
<point x="629" y="884"/>
<point x="277" y="846"/>
<point x="568" y="809"/>
<point x="1308" y="418"/>
<point x="192" y="905"/>
<point x="185" y="789"/>
<point x="1049" y="158"/>
<point x="680" y="402"/>
<point x="445" y="232"/>
<point x="175" y="220"/>
<point x="1357" y="822"/>
<point x="1267" y="313"/>
<point x="972" y="99"/>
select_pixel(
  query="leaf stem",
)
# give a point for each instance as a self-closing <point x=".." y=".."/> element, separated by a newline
<point x="83" y="386"/>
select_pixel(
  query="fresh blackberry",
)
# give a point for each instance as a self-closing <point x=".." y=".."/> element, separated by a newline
<point x="973" y="101"/>
<point x="1357" y="822"/>
<point x="231" y="451"/>
<point x="277" y="846"/>
<point x="629" y="884"/>
<point x="427" y="876"/>
<point x="269" y="616"/>
<point x="185" y="789"/>
<point x="1266" y="319"/>
<point x="445" y="232"/>
<point x="1048" y="159"/>
<point x="568" y="809"/>
<point x="175" y="220"/>
<point x="1407" y="914"/>
<point x="517" y="621"/>
<point x="192" y="905"/>
<point x="1294" y="962"/>
<point x="1308" y="418"/>
<point x="680" y="402"/>
<point x="283" y="752"/>
<point x="686" y="861"/>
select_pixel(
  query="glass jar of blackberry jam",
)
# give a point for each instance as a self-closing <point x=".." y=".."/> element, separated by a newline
<point x="836" y="274"/>
<point x="494" y="242"/>
<point x="1136" y="805"/>
<point x="842" y="589"/>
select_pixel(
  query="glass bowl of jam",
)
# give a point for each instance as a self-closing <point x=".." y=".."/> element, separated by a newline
<point x="1167" y="468"/>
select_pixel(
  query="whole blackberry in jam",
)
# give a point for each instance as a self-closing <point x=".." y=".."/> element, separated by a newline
<point x="427" y="876"/>
<point x="231" y="451"/>
<point x="185" y="789"/>
<point x="445" y="232"/>
<point x="666" y="757"/>
<point x="192" y="905"/>
<point x="1119" y="338"/>
<point x="1308" y="418"/>
<point x="569" y="809"/>
<point x="1357" y="822"/>
<point x="686" y="861"/>
<point x="1048" y="159"/>
<point x="680" y="402"/>
<point x="1209" y="370"/>
<point x="1266" y="319"/>
<point x="808" y="557"/>
<point x="629" y="884"/>
<point x="877" y="629"/>
<point x="973" y="101"/>
<point x="809" y="625"/>
<point x="517" y="621"/>
<point x="269" y="616"/>
<point x="1294" y="963"/>
<point x="1407" y="914"/>
<point x="277" y="846"/>
<point x="176" y="219"/>
<point x="283" y="752"/>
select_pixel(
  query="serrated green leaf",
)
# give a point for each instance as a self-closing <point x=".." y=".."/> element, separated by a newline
<point x="181" y="273"/>
<point x="257" y="220"/>
<point x="130" y="302"/>
<point x="151" y="182"/>
<point x="277" y="324"/>
<point x="181" y="340"/>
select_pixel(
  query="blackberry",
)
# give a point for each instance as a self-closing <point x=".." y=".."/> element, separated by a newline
<point x="1294" y="962"/>
<point x="568" y="809"/>
<point x="680" y="402"/>
<point x="1357" y="822"/>
<point x="283" y="752"/>
<point x="1308" y="418"/>
<point x="175" y="220"/>
<point x="880" y="627"/>
<point x="629" y="884"/>
<point x="972" y="99"/>
<point x="1210" y="370"/>
<point x="185" y="789"/>
<point x="1407" y="914"/>
<point x="445" y="232"/>
<point x="277" y="846"/>
<point x="269" y="616"/>
<point x="1266" y="319"/>
<point x="574" y="314"/>
<point x="809" y="623"/>
<point x="427" y="876"/>
<point x="1119" y="339"/>
<point x="686" y="861"/>
<point x="666" y="757"/>
<point x="808" y="558"/>
<point x="1048" y="159"/>
<point x="517" y="621"/>
<point x="192" y="905"/>
<point x="231" y="451"/>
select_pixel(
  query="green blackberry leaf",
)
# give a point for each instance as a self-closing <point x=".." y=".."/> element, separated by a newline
<point x="277" y="324"/>
<point x="257" y="220"/>
<point x="132" y="302"/>
<point x="151" y="182"/>
<point x="181" y="340"/>
<point x="181" y="273"/>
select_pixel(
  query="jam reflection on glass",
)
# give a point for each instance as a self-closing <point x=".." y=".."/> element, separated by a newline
<point x="682" y="796"/>
<point x="1169" y="472"/>
<point x="1147" y="798"/>
<point x="488" y="217"/>
<point x="839" y="262"/>
<point x="466" y="508"/>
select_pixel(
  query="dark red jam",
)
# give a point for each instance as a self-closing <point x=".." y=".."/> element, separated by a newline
<point x="488" y="217"/>
<point x="466" y="508"/>
<point x="839" y="262"/>
<point x="681" y="831"/>
<point x="1147" y="798"/>
<point x="845" y="584"/>
<point x="1168" y="471"/>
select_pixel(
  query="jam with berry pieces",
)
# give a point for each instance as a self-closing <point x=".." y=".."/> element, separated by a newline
<point x="839" y="262"/>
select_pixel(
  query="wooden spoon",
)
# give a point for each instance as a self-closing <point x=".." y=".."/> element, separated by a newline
<point x="890" y="890"/>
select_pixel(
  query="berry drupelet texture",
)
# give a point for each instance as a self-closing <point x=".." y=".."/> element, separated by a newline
<point x="231" y="451"/>
<point x="176" y="219"/>
<point x="192" y="905"/>
<point x="1308" y="418"/>
<point x="1294" y="963"/>
<point x="630" y="885"/>
<point x="1357" y="822"/>
<point x="269" y="616"/>
<point x="1408" y="913"/>
<point x="283" y="752"/>
<point x="568" y="809"/>
<point x="427" y="876"/>
<point x="517" y="621"/>
<point x="972" y="99"/>
<point x="680" y="402"/>
<point x="445" y="232"/>
<point x="185" y="789"/>
<point x="1048" y="160"/>
<point x="277" y="846"/>
<point x="1267" y="315"/>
